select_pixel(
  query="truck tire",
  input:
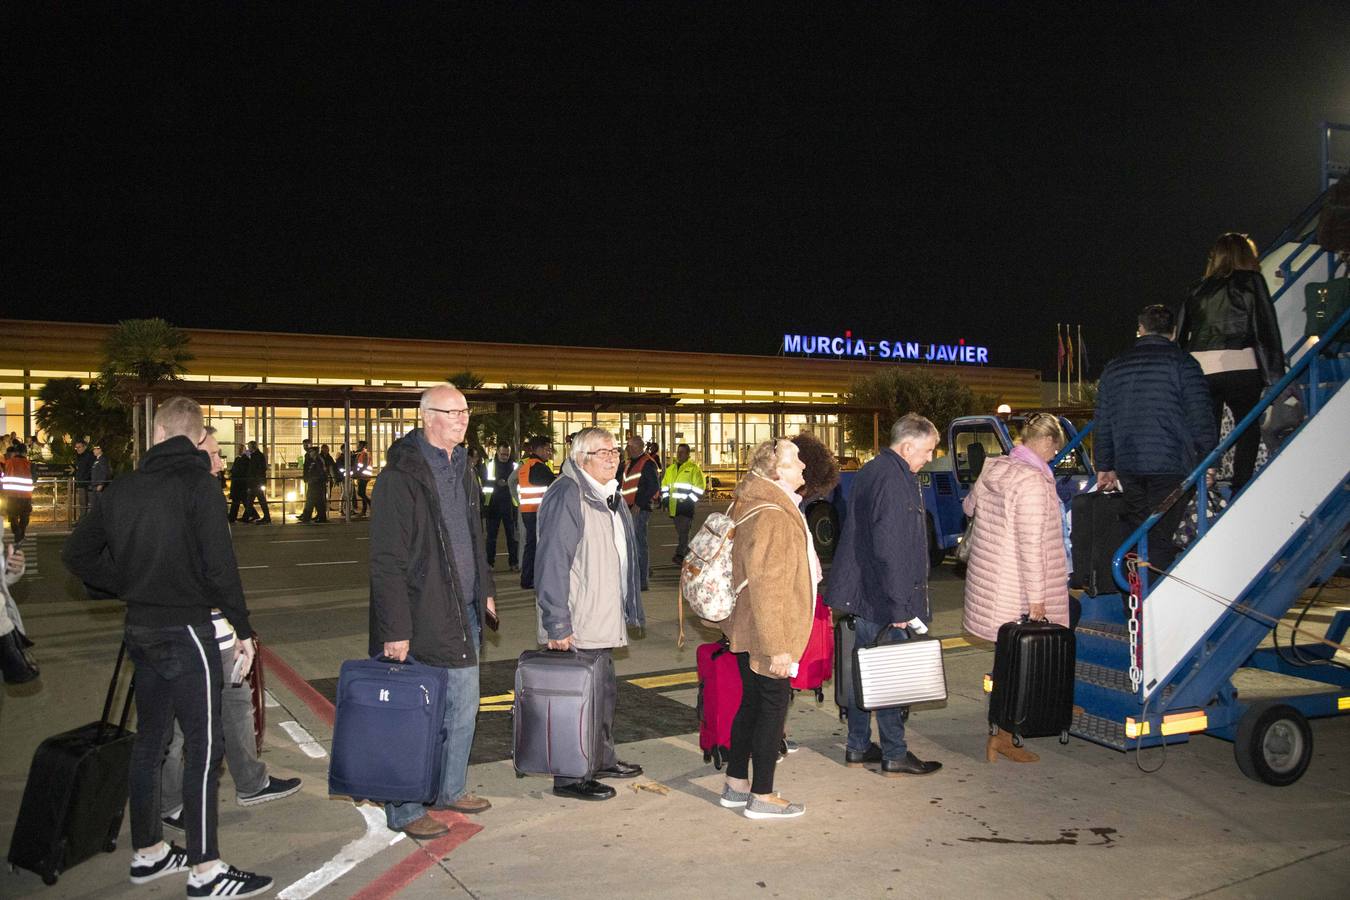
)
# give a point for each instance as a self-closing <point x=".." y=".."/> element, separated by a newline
<point x="823" y="523"/>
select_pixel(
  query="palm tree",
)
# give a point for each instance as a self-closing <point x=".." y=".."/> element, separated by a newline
<point x="491" y="427"/>
<point x="70" y="412"/>
<point x="138" y="353"/>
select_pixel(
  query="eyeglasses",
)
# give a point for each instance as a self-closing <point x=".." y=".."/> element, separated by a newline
<point x="607" y="454"/>
<point x="455" y="413"/>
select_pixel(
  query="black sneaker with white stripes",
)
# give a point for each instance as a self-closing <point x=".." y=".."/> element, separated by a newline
<point x="275" y="789"/>
<point x="228" y="882"/>
<point x="144" y="870"/>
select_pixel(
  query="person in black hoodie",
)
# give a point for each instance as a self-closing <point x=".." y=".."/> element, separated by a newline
<point x="84" y="467"/>
<point x="157" y="540"/>
<point x="1229" y="325"/>
<point x="257" y="469"/>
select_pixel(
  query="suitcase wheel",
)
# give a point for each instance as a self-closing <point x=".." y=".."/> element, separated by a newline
<point x="1063" y="737"/>
<point x="49" y="878"/>
<point x="1017" y="739"/>
<point x="110" y="845"/>
<point x="993" y="730"/>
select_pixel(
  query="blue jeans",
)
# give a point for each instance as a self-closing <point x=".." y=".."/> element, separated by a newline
<point x="461" y="716"/>
<point x="640" y="517"/>
<point x="890" y="722"/>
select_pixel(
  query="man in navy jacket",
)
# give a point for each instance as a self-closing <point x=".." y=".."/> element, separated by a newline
<point x="880" y="576"/>
<point x="1154" y="425"/>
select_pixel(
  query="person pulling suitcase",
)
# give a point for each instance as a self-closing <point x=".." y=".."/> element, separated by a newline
<point x="170" y="560"/>
<point x="1018" y="566"/>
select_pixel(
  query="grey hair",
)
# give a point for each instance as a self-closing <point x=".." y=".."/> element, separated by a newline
<point x="911" y="427"/>
<point x="424" y="402"/>
<point x="586" y="440"/>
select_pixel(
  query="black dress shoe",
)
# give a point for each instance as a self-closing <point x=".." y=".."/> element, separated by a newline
<point x="620" y="769"/>
<point x="585" y="790"/>
<point x="910" y="765"/>
<point x="855" y="758"/>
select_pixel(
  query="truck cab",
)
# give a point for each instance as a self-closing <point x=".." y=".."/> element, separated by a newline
<point x="945" y="482"/>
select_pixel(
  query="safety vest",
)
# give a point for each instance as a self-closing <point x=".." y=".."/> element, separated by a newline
<point x="18" y="476"/>
<point x="531" y="495"/>
<point x="363" y="464"/>
<point x="631" y="478"/>
<point x="682" y="484"/>
<point x="490" y="482"/>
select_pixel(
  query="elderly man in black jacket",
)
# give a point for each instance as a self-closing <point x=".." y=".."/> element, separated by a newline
<point x="880" y="577"/>
<point x="1154" y="425"/>
<point x="430" y="585"/>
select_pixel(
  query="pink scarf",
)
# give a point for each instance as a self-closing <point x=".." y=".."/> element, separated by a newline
<point x="1024" y="455"/>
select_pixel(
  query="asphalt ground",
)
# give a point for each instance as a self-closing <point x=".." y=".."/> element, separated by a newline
<point x="1086" y="821"/>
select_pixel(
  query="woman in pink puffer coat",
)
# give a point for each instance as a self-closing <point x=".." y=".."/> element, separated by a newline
<point x="1017" y="562"/>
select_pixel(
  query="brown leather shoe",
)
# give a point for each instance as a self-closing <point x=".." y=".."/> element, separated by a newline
<point x="1001" y="743"/>
<point x="469" y="803"/>
<point x="423" y="828"/>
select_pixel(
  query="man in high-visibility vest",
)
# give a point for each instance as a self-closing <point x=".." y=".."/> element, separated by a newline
<point x="640" y="487"/>
<point x="533" y="478"/>
<point x="500" y="502"/>
<point x="363" y="473"/>
<point x="16" y="484"/>
<point x="681" y="490"/>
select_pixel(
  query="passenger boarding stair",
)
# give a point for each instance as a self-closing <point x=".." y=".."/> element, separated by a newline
<point x="1197" y="627"/>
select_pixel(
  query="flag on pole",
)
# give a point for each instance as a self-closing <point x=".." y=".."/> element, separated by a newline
<point x="1068" y="361"/>
<point x="1082" y="352"/>
<point x="1059" y="335"/>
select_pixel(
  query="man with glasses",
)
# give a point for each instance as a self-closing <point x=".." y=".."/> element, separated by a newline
<point x="430" y="585"/>
<point x="588" y="590"/>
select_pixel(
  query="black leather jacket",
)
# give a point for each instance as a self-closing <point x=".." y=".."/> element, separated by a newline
<point x="1230" y="314"/>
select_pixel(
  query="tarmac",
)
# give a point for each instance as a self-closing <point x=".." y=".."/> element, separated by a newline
<point x="1086" y="821"/>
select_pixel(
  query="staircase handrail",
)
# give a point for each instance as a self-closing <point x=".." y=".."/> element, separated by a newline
<point x="1138" y="539"/>
<point x="1291" y="231"/>
<point x="1074" y="443"/>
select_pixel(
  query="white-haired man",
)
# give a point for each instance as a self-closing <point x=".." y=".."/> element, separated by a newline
<point x="430" y="585"/>
<point x="588" y="584"/>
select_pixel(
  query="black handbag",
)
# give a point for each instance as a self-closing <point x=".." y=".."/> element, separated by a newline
<point x="17" y="664"/>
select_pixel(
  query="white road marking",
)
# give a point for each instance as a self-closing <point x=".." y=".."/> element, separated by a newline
<point x="377" y="837"/>
<point x="301" y="541"/>
<point x="241" y="568"/>
<point x="335" y="562"/>
<point x="269" y="701"/>
<point x="304" y="740"/>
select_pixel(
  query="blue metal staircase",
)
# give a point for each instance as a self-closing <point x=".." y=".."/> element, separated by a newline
<point x="1245" y="570"/>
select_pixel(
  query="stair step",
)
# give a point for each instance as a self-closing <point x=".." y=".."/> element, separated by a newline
<point x="1110" y="631"/>
<point x="1103" y="676"/>
<point x="1099" y="730"/>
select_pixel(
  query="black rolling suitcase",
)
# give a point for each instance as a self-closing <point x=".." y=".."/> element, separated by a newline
<point x="1032" y="693"/>
<point x="1097" y="534"/>
<point x="845" y="638"/>
<point x="76" y="793"/>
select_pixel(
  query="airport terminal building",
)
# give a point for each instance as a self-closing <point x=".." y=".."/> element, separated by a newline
<point x="281" y="388"/>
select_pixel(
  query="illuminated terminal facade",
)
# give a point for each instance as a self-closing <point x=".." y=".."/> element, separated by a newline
<point x="281" y="388"/>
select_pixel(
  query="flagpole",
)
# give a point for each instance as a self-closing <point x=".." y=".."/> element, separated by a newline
<point x="1080" y="363"/>
<point x="1059" y="363"/>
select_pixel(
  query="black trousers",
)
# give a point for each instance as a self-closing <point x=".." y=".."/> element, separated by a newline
<point x="528" y="520"/>
<point x="362" y="496"/>
<point x="316" y="502"/>
<point x="608" y="700"/>
<point x="757" y="729"/>
<point x="257" y="494"/>
<point x="19" y="508"/>
<point x="1240" y="391"/>
<point x="506" y="518"/>
<point x="1142" y="495"/>
<point x="177" y="677"/>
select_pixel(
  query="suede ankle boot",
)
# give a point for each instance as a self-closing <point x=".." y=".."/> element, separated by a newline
<point x="1000" y="742"/>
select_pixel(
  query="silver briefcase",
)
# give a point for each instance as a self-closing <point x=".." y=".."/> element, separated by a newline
<point x="899" y="674"/>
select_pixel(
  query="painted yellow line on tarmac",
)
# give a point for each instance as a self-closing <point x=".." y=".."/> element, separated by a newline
<point x="954" y="642"/>
<point x="660" y="681"/>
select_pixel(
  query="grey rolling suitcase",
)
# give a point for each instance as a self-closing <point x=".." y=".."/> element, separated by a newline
<point x="899" y="674"/>
<point x="556" y="720"/>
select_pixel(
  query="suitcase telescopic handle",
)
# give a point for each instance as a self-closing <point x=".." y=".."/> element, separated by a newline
<point x="112" y="692"/>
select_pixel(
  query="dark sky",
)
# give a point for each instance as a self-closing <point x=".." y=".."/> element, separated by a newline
<point x="652" y="175"/>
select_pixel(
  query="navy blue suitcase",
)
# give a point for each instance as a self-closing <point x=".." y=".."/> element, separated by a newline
<point x="389" y="731"/>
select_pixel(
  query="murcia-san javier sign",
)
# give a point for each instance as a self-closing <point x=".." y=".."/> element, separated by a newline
<point x="849" y="346"/>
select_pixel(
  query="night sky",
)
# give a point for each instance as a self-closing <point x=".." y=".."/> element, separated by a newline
<point x="654" y="175"/>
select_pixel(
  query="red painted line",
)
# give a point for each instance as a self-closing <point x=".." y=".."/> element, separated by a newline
<point x="318" y="703"/>
<point x="412" y="866"/>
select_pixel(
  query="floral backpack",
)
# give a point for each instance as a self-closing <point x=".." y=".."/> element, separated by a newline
<point x="705" y="577"/>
